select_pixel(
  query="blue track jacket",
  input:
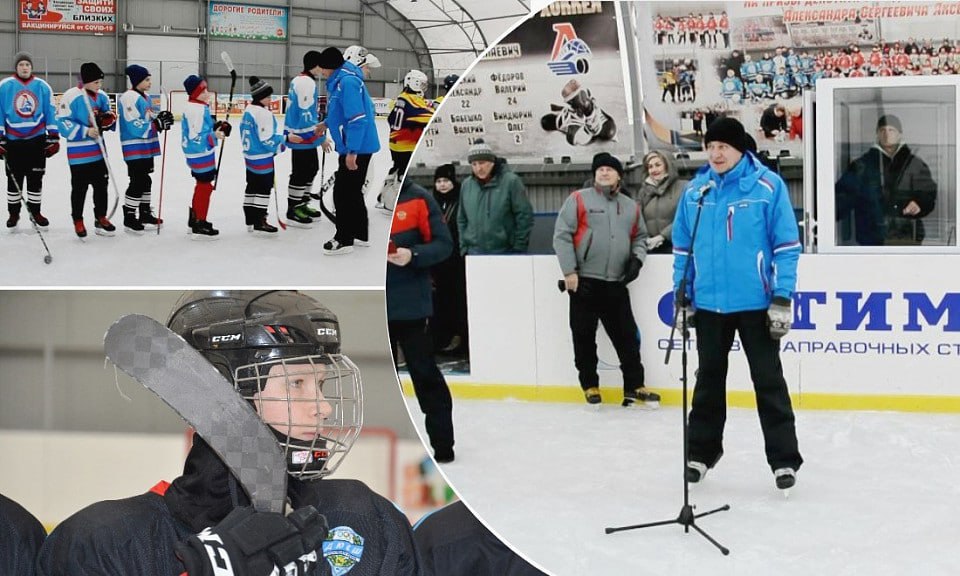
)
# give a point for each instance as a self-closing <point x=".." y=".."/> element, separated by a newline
<point x="350" y="114"/>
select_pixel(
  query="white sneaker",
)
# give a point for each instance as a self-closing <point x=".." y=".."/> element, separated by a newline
<point x="785" y="478"/>
<point x="696" y="471"/>
<point x="359" y="242"/>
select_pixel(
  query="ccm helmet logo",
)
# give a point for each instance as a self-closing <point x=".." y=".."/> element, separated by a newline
<point x="326" y="332"/>
<point x="227" y="338"/>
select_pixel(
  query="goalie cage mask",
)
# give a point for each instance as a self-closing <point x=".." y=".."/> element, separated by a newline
<point x="281" y="352"/>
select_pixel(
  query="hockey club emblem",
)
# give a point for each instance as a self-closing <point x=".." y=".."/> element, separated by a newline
<point x="342" y="549"/>
<point x="570" y="54"/>
<point x="25" y="103"/>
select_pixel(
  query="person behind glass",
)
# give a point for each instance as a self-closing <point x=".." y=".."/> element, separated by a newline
<point x="23" y="535"/>
<point x="351" y="120"/>
<point x="449" y="276"/>
<point x="419" y="240"/>
<point x="773" y="122"/>
<point x="199" y="143"/>
<point x="82" y="123"/>
<point x="659" y="193"/>
<point x="495" y="215"/>
<point x="888" y="189"/>
<point x="741" y="282"/>
<point x="600" y="241"/>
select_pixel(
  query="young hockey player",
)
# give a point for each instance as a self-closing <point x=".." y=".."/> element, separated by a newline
<point x="449" y="81"/>
<point x="199" y="141"/>
<point x="139" y="126"/>
<point x="88" y="167"/>
<point x="304" y="133"/>
<point x="261" y="142"/>
<point x="288" y="365"/>
<point x="28" y="136"/>
<point x="410" y="115"/>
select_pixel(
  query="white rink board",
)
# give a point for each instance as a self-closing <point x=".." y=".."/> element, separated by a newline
<point x="510" y="303"/>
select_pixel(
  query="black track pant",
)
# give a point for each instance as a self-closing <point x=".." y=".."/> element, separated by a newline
<point x="608" y="303"/>
<point x="715" y="333"/>
<point x="348" y="200"/>
<point x="83" y="176"/>
<point x="414" y="338"/>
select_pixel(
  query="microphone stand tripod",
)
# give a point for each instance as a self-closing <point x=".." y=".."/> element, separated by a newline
<point x="686" y="518"/>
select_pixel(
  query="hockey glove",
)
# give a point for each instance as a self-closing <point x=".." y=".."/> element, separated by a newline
<point x="106" y="121"/>
<point x="163" y="121"/>
<point x="52" y="145"/>
<point x="224" y="127"/>
<point x="250" y="543"/>
<point x="631" y="270"/>
<point x="3" y="147"/>
<point x="779" y="317"/>
<point x="680" y="299"/>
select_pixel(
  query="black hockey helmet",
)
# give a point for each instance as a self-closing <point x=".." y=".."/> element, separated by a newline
<point x="449" y="80"/>
<point x="272" y="346"/>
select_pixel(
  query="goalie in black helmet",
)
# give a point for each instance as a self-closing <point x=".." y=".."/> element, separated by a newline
<point x="281" y="352"/>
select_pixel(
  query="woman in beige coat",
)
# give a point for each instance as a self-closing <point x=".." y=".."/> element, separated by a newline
<point x="659" y="194"/>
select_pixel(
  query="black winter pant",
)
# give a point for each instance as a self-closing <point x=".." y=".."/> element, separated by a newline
<point x="715" y="333"/>
<point x="608" y="303"/>
<point x="26" y="162"/>
<point x="83" y="175"/>
<point x="348" y="200"/>
<point x="413" y="337"/>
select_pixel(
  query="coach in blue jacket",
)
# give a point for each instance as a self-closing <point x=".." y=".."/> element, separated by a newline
<point x="352" y="122"/>
<point x="741" y="282"/>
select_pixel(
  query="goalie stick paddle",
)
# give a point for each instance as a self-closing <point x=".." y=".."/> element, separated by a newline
<point x="165" y="364"/>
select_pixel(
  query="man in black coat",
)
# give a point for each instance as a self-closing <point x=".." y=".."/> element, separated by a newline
<point x="888" y="190"/>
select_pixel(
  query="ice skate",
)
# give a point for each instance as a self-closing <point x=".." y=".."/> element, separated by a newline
<point x="37" y="218"/>
<point x="147" y="218"/>
<point x="12" y="221"/>
<point x="785" y="479"/>
<point x="299" y="218"/>
<point x="641" y="398"/>
<point x="203" y="230"/>
<point x="263" y="229"/>
<point x="592" y="395"/>
<point x="80" y="229"/>
<point x="131" y="224"/>
<point x="103" y="227"/>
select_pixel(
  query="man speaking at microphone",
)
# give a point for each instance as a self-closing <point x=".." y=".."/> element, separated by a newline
<point x="741" y="281"/>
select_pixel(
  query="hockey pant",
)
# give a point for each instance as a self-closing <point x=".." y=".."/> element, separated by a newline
<point x="82" y="176"/>
<point x="25" y="162"/>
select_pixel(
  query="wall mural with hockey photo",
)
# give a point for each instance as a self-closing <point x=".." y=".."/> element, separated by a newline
<point x="551" y="88"/>
<point x="753" y="60"/>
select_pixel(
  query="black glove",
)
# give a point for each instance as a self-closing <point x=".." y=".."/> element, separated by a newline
<point x="163" y="121"/>
<point x="250" y="543"/>
<point x="3" y="146"/>
<point x="680" y="299"/>
<point x="631" y="270"/>
<point x="51" y="146"/>
<point x="779" y="317"/>
<point x="223" y="126"/>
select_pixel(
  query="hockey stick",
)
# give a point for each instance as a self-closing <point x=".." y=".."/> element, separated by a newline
<point x="233" y="83"/>
<point x="165" y="364"/>
<point x="276" y="203"/>
<point x="332" y="216"/>
<point x="103" y="150"/>
<point x="163" y="166"/>
<point x="48" y="258"/>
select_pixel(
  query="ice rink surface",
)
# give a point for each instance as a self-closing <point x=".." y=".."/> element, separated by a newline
<point x="237" y="258"/>
<point x="878" y="493"/>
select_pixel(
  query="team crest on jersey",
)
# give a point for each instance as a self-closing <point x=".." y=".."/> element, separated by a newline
<point x="342" y="549"/>
<point x="400" y="214"/>
<point x="25" y="103"/>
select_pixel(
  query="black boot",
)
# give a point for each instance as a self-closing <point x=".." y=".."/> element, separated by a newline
<point x="130" y="221"/>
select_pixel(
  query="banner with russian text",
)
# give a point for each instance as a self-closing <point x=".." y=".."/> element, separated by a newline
<point x="90" y="16"/>
<point x="753" y="60"/>
<point x="247" y="22"/>
<point x="552" y="88"/>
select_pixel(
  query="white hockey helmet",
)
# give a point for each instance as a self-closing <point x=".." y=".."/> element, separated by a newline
<point x="415" y="81"/>
<point x="360" y="56"/>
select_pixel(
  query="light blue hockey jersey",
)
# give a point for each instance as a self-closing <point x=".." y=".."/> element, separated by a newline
<point x="26" y="108"/>
<point x="302" y="116"/>
<point x="261" y="142"/>
<point x="73" y="116"/>
<point x="198" y="142"/>
<point x="138" y="134"/>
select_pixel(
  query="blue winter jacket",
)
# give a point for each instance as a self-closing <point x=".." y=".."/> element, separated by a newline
<point x="747" y="244"/>
<point x="350" y="114"/>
